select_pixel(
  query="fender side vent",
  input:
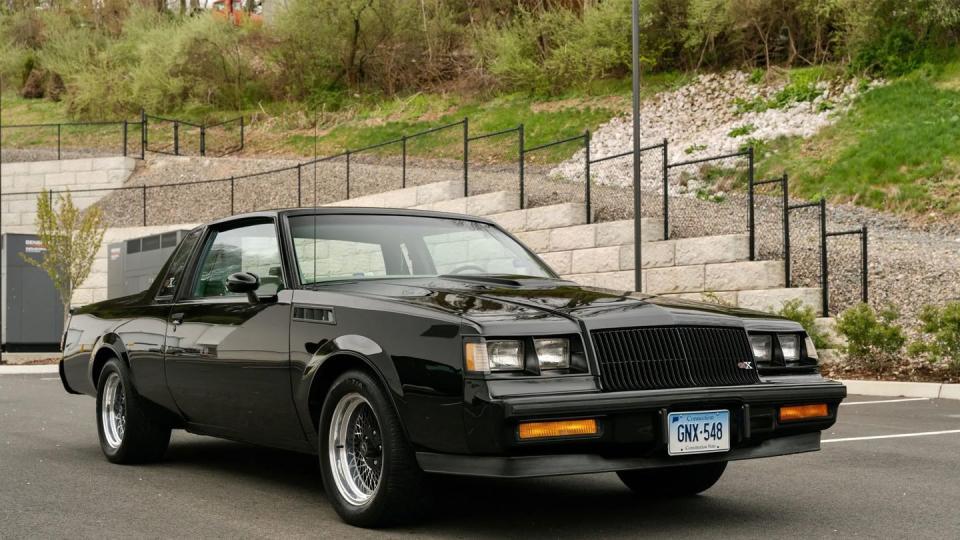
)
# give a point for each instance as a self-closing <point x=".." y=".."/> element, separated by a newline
<point x="313" y="314"/>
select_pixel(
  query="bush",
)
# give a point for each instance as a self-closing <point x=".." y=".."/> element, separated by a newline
<point x="874" y="339"/>
<point x="797" y="311"/>
<point x="941" y="340"/>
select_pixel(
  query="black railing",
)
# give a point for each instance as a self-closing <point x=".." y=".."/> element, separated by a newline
<point x="183" y="137"/>
<point x="103" y="138"/>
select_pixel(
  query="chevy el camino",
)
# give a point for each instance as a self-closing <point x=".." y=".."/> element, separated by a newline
<point x="398" y="344"/>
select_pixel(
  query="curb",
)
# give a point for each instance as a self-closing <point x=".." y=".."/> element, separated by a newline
<point x="30" y="370"/>
<point x="903" y="389"/>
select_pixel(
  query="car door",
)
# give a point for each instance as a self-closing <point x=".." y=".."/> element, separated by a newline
<point x="227" y="360"/>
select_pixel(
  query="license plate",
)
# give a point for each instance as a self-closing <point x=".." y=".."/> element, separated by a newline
<point x="698" y="432"/>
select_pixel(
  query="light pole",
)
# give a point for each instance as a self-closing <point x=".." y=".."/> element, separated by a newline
<point x="637" y="227"/>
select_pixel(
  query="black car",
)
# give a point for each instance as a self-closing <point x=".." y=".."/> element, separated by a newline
<point x="396" y="343"/>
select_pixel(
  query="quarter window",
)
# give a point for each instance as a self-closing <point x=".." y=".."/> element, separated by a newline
<point x="253" y="248"/>
<point x="171" y="280"/>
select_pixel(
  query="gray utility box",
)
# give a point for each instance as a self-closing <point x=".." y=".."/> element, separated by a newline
<point x="132" y="265"/>
<point x="32" y="313"/>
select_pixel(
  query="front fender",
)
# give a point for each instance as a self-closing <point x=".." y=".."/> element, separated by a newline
<point x="327" y="361"/>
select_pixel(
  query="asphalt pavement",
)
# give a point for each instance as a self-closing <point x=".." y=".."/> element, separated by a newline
<point x="55" y="483"/>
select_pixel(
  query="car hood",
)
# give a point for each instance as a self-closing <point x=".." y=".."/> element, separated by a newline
<point x="495" y="303"/>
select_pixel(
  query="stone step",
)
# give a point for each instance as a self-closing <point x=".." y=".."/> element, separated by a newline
<point x="542" y="217"/>
<point x="615" y="251"/>
<point x="593" y="235"/>
<point x="736" y="276"/>
<point x="408" y="197"/>
<point x="486" y="204"/>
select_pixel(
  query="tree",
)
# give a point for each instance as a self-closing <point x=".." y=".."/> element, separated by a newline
<point x="72" y="238"/>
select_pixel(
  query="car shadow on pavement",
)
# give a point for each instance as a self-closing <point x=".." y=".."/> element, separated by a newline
<point x="563" y="506"/>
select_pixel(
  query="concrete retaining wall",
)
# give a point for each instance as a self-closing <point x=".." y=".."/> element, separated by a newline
<point x="18" y="213"/>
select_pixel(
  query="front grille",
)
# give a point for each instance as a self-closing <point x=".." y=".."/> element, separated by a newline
<point x="673" y="357"/>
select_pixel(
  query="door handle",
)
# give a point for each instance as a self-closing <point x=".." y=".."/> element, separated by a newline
<point x="176" y="319"/>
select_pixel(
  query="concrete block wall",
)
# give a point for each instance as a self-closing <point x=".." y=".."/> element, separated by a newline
<point x="18" y="213"/>
<point x="94" y="289"/>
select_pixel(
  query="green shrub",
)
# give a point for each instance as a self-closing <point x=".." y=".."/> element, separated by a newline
<point x="799" y="312"/>
<point x="874" y="339"/>
<point x="941" y="339"/>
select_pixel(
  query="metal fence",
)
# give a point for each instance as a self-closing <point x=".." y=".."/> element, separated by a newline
<point x="69" y="140"/>
<point x="693" y="198"/>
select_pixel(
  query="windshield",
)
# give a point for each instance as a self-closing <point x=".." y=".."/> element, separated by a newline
<point x="355" y="246"/>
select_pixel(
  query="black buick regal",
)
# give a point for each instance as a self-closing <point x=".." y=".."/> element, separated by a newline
<point x="398" y="344"/>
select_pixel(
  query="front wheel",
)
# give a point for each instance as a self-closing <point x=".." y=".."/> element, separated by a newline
<point x="369" y="470"/>
<point x="127" y="433"/>
<point x="680" y="481"/>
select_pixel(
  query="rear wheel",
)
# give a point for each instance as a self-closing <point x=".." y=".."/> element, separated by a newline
<point x="127" y="433"/>
<point x="685" y="480"/>
<point x="370" y="472"/>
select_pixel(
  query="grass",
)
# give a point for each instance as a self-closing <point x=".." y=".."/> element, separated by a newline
<point x="897" y="149"/>
<point x="363" y="120"/>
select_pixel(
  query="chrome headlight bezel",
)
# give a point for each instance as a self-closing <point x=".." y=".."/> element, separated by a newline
<point x="780" y="349"/>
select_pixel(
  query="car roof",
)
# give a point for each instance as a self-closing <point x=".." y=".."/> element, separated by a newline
<point x="351" y="210"/>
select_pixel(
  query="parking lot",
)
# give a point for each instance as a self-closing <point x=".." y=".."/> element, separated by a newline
<point x="870" y="480"/>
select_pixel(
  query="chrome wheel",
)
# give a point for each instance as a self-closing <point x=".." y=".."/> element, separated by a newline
<point x="113" y="410"/>
<point x="355" y="449"/>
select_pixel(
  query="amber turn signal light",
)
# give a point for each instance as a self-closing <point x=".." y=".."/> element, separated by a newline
<point x="560" y="428"/>
<point x="803" y="412"/>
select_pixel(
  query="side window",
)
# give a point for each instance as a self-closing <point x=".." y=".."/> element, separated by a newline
<point x="253" y="248"/>
<point x="177" y="264"/>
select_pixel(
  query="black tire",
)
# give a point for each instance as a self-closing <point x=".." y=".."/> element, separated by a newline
<point x="143" y="439"/>
<point x="400" y="495"/>
<point x="680" y="481"/>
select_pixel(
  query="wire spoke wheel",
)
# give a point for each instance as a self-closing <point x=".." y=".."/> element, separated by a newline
<point x="114" y="411"/>
<point x="355" y="449"/>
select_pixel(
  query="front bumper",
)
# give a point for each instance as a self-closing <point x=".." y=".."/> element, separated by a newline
<point x="565" y="464"/>
<point x="633" y="428"/>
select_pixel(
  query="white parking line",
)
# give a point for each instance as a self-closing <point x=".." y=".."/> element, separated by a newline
<point x="896" y="436"/>
<point x="884" y="401"/>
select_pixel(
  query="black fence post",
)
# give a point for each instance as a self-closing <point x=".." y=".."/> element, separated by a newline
<point x="124" y="138"/>
<point x="586" y="173"/>
<point x="58" y="141"/>
<point x="403" y="146"/>
<point x="863" y="262"/>
<point x="824" y="270"/>
<point x="786" y="230"/>
<point x="176" y="138"/>
<point x="203" y="140"/>
<point x="143" y="193"/>
<point x="466" y="155"/>
<point x="143" y="133"/>
<point x="666" y="193"/>
<point x="521" y="162"/>
<point x="241" y="132"/>
<point x="231" y="196"/>
<point x="299" y="177"/>
<point x="348" y="174"/>
<point x="752" y="223"/>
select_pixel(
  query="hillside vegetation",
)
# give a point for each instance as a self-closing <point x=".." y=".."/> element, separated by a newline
<point x="364" y="71"/>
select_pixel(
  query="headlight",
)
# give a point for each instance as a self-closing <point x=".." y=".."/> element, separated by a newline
<point x="762" y="348"/>
<point x="789" y="345"/>
<point x="811" y="349"/>
<point x="499" y="355"/>
<point x="553" y="353"/>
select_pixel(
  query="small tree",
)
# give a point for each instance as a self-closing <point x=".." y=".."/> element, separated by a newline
<point x="72" y="238"/>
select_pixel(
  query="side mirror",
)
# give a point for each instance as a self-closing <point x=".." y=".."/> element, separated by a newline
<point x="244" y="282"/>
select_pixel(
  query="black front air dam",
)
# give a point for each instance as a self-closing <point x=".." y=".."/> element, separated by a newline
<point x="564" y="464"/>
